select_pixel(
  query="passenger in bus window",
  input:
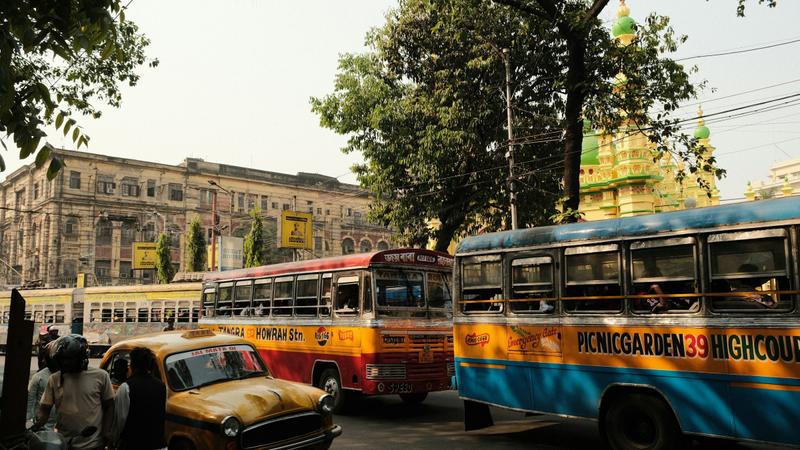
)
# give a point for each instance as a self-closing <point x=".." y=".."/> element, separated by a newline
<point x="751" y="285"/>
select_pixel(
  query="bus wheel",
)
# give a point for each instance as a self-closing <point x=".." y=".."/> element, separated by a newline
<point x="329" y="382"/>
<point x="415" y="398"/>
<point x="640" y="422"/>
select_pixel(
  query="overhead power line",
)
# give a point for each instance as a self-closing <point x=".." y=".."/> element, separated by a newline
<point x="736" y="52"/>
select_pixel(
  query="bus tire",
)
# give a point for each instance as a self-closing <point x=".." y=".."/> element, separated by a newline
<point x="415" y="398"/>
<point x="639" y="421"/>
<point x="330" y="382"/>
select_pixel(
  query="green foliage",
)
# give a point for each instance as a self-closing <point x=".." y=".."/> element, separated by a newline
<point x="741" y="6"/>
<point x="254" y="241"/>
<point x="164" y="259"/>
<point x="425" y="107"/>
<point x="196" y="250"/>
<point x="58" y="59"/>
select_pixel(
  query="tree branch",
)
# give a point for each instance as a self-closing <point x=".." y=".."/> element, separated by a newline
<point x="550" y="15"/>
<point x="593" y="11"/>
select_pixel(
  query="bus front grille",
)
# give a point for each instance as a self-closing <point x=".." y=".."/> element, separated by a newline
<point x="386" y="371"/>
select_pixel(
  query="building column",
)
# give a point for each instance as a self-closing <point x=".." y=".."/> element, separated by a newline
<point x="116" y="239"/>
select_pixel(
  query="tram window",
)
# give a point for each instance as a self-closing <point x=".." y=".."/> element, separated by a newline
<point x="262" y="295"/>
<point x="346" y="300"/>
<point x="95" y="315"/>
<point x="481" y="281"/>
<point x="38" y="316"/>
<point x="143" y="315"/>
<point x="49" y="314"/>
<point x="325" y="299"/>
<point x="28" y="314"/>
<point x="60" y="315"/>
<point x="532" y="278"/>
<point x="306" y="303"/>
<point x="183" y="315"/>
<point x="169" y="312"/>
<point x="284" y="290"/>
<point x="746" y="267"/>
<point x="242" y="294"/>
<point x="666" y="270"/>
<point x="107" y="314"/>
<point x="225" y="300"/>
<point x="195" y="314"/>
<point x="130" y="315"/>
<point x="593" y="272"/>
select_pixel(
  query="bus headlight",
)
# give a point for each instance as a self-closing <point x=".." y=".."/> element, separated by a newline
<point x="231" y="426"/>
<point x="326" y="404"/>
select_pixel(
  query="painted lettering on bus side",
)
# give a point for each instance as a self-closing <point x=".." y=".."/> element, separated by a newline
<point x="279" y="334"/>
<point x="733" y="347"/>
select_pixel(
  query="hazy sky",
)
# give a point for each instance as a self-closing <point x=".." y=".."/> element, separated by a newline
<point x="235" y="79"/>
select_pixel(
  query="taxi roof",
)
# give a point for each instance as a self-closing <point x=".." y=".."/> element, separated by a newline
<point x="168" y="342"/>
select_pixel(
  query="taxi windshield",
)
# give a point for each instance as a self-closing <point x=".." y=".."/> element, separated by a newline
<point x="201" y="367"/>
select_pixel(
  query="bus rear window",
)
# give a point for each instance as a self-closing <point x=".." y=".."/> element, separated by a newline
<point x="481" y="280"/>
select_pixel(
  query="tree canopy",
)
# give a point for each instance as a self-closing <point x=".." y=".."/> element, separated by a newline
<point x="254" y="241"/>
<point x="164" y="267"/>
<point x="60" y="59"/>
<point x="196" y="249"/>
<point x="425" y="107"/>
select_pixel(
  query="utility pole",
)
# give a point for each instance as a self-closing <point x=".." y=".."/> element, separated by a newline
<point x="213" y="229"/>
<point x="510" y="155"/>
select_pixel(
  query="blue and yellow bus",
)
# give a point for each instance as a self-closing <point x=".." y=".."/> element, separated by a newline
<point x="657" y="326"/>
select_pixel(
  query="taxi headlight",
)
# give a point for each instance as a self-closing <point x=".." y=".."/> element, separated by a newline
<point x="231" y="426"/>
<point x="326" y="404"/>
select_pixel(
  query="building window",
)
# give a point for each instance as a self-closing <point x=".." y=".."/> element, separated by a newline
<point x="383" y="245"/>
<point x="286" y="206"/>
<point x="251" y="202"/>
<point x="36" y="190"/>
<point x="327" y="212"/>
<point x="125" y="270"/>
<point x="102" y="269"/>
<point x="319" y="211"/>
<point x="317" y="244"/>
<point x="127" y="235"/>
<point x="106" y="185"/>
<point x="130" y="188"/>
<point x="103" y="233"/>
<point x="71" y="227"/>
<point x="151" y="188"/>
<point x="175" y="192"/>
<point x="69" y="270"/>
<point x="74" y="180"/>
<point x="349" y="212"/>
<point x="264" y="202"/>
<point x="357" y="218"/>
<point x="19" y="198"/>
<point x="365" y="246"/>
<point x="274" y="205"/>
<point x="149" y="232"/>
<point x="348" y="246"/>
<point x="240" y="203"/>
<point x="206" y="197"/>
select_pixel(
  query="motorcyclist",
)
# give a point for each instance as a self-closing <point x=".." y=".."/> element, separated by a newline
<point x="82" y="395"/>
<point x="37" y="385"/>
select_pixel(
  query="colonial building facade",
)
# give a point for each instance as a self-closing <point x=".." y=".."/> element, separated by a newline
<point x="87" y="218"/>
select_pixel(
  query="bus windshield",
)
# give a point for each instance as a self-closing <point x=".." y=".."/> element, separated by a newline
<point x="197" y="368"/>
<point x="398" y="291"/>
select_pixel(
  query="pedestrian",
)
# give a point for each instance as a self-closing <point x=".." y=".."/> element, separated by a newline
<point x="170" y="324"/>
<point x="140" y="406"/>
<point x="82" y="396"/>
<point x="36" y="387"/>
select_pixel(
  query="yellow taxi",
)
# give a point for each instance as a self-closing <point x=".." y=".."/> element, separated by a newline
<point x="221" y="396"/>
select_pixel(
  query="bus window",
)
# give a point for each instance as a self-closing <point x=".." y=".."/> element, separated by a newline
<point x="95" y="315"/>
<point x="746" y="263"/>
<point x="532" y="278"/>
<point x="225" y="300"/>
<point x="306" y="303"/>
<point x="481" y="280"/>
<point x="119" y="312"/>
<point x="242" y="295"/>
<point x="262" y="295"/>
<point x="284" y="290"/>
<point x="346" y="295"/>
<point x="183" y="314"/>
<point x="107" y="313"/>
<point x="325" y="299"/>
<point x="209" y="296"/>
<point x="593" y="272"/>
<point x="143" y="315"/>
<point x="368" y="300"/>
<point x="663" y="267"/>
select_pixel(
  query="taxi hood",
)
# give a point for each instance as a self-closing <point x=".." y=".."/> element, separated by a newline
<point x="251" y="400"/>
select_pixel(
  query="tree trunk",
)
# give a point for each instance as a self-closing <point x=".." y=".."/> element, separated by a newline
<point x="573" y="138"/>
<point x="450" y="219"/>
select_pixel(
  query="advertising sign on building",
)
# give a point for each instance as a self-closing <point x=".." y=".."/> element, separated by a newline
<point x="296" y="230"/>
<point x="230" y="253"/>
<point x="144" y="255"/>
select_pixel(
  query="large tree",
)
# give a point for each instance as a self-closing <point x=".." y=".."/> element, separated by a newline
<point x="164" y="267"/>
<point x="254" y="241"/>
<point x="425" y="106"/>
<point x="196" y="249"/>
<point x="60" y="59"/>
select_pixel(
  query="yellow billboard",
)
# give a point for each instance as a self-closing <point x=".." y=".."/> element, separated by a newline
<point x="296" y="230"/>
<point x="144" y="255"/>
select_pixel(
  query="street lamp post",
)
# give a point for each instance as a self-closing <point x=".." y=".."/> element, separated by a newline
<point x="214" y="224"/>
<point x="509" y="116"/>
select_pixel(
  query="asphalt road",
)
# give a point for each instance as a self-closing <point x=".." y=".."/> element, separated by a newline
<point x="386" y="422"/>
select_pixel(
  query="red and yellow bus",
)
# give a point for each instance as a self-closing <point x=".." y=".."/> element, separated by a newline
<point x="370" y="323"/>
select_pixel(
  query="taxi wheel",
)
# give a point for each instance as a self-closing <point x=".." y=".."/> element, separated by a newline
<point x="329" y="382"/>
<point x="415" y="398"/>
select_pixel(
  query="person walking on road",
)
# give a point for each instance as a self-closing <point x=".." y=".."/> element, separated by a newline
<point x="36" y="387"/>
<point x="140" y="405"/>
<point x="82" y="396"/>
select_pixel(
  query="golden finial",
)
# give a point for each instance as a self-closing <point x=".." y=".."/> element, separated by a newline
<point x="700" y="120"/>
<point x="623" y="9"/>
